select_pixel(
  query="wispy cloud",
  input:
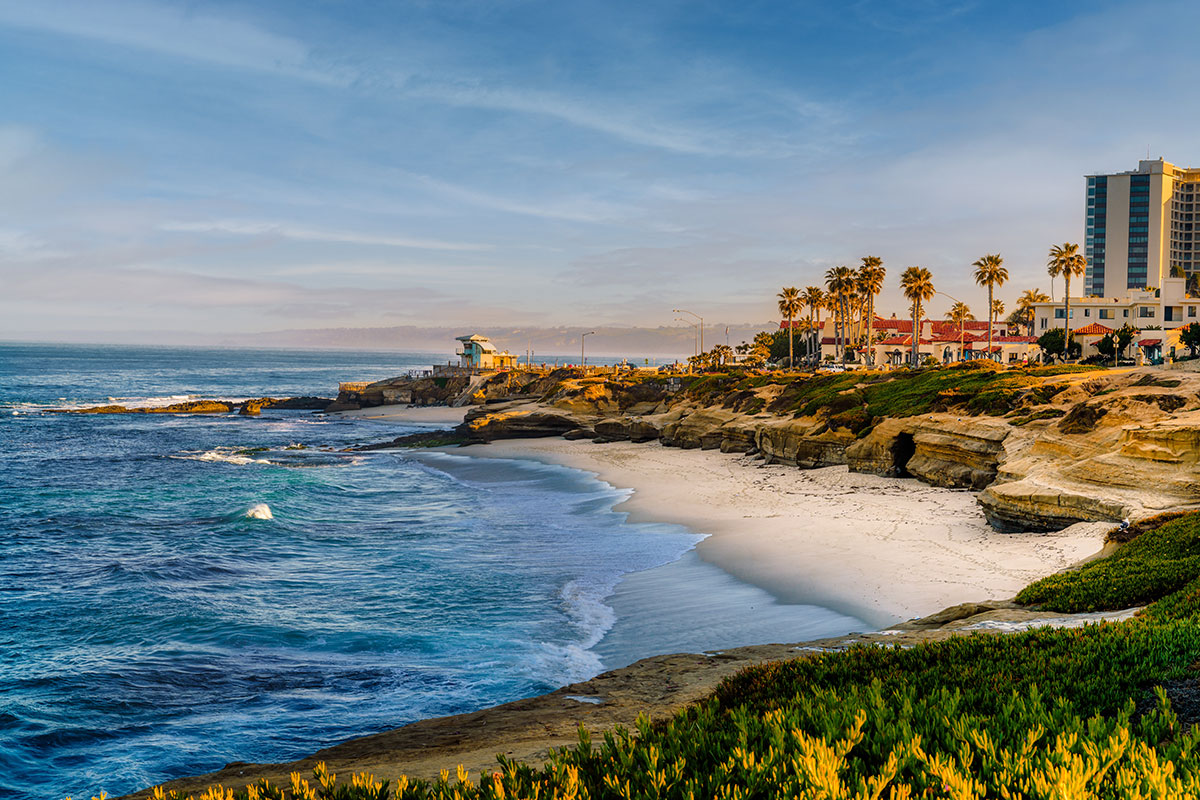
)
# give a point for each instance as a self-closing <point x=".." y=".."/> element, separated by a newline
<point x="645" y="131"/>
<point x="305" y="234"/>
<point x="172" y="32"/>
<point x="573" y="209"/>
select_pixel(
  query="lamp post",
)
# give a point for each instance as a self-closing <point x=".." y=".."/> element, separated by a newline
<point x="697" y="316"/>
<point x="695" y="345"/>
<point x="582" y="343"/>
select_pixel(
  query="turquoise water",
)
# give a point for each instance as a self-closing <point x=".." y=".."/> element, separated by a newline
<point x="151" y="626"/>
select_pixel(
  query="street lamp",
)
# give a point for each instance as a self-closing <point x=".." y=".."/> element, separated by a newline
<point x="582" y="343"/>
<point x="697" y="316"/>
<point x="695" y="346"/>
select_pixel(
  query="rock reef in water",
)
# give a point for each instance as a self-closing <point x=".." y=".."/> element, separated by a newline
<point x="245" y="407"/>
<point x="1095" y="446"/>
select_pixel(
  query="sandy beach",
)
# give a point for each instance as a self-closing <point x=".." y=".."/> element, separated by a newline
<point x="881" y="549"/>
<point x="424" y="415"/>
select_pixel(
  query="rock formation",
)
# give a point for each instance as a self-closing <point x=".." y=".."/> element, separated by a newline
<point x="1061" y="449"/>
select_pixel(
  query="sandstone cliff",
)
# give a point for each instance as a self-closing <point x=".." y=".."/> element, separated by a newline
<point x="1048" y="451"/>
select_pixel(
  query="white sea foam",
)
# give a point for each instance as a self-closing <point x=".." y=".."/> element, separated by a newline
<point x="225" y="455"/>
<point x="583" y="602"/>
<point x="259" y="511"/>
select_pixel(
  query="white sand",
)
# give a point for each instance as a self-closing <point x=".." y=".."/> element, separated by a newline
<point x="881" y="549"/>
<point x="422" y="414"/>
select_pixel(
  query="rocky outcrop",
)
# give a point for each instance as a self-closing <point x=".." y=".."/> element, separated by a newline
<point x="958" y="453"/>
<point x="519" y="421"/>
<point x="189" y="407"/>
<point x="701" y="429"/>
<point x="1078" y="448"/>
<point x="1111" y="472"/>
<point x="250" y="408"/>
<point x="401" y="391"/>
<point x="803" y="442"/>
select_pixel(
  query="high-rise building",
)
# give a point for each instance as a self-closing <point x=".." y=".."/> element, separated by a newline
<point x="1143" y="227"/>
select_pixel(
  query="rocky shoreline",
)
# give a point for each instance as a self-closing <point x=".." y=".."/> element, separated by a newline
<point x="1095" y="446"/>
<point x="250" y="408"/>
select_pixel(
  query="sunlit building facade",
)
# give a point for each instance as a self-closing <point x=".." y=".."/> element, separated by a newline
<point x="1142" y="229"/>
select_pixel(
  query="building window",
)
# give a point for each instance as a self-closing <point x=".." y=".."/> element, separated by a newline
<point x="1106" y="313"/>
<point x="1146" y="311"/>
<point x="1059" y="313"/>
<point x="1124" y="312"/>
<point x="1191" y="311"/>
<point x="1087" y="312"/>
<point x="1044" y="321"/>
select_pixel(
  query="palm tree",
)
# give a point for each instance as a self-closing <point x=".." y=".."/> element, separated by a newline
<point x="790" y="304"/>
<point x="997" y="310"/>
<point x="814" y="298"/>
<point x="990" y="272"/>
<point x="721" y="354"/>
<point x="917" y="284"/>
<point x="1025" y="303"/>
<point x="1066" y="260"/>
<point x="960" y="313"/>
<point x="839" y="281"/>
<point x="870" y="284"/>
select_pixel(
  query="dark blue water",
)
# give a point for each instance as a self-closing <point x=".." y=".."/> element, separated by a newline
<point x="151" y="626"/>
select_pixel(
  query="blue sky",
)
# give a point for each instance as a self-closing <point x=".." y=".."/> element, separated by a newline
<point x="170" y="166"/>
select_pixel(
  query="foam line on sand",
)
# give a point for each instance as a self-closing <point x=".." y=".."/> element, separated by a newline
<point x="881" y="549"/>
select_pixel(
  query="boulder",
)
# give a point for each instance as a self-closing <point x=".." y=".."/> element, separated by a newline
<point x="612" y="430"/>
<point x="802" y="442"/>
<point x="524" y="422"/>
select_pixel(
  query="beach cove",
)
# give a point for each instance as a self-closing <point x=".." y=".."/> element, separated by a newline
<point x="883" y="549"/>
<point x="879" y="549"/>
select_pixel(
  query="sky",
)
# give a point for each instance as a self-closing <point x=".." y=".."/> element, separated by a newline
<point x="238" y="166"/>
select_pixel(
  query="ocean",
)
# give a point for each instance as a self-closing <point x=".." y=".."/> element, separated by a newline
<point x="157" y="621"/>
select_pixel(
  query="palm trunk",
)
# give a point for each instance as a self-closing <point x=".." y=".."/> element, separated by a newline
<point x="1067" y="321"/>
<point x="791" y="353"/>
<point x="990" y="354"/>
<point x="820" y="335"/>
<point x="871" y="331"/>
<point x="915" y="332"/>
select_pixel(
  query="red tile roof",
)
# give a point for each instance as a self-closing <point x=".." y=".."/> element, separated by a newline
<point x="1095" y="329"/>
<point x="894" y="325"/>
<point x="1149" y="343"/>
<point x="944" y="325"/>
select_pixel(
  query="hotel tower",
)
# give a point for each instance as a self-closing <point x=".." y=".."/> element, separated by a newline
<point x="1140" y="224"/>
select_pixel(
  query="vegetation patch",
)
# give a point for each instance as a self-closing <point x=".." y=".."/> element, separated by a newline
<point x="977" y="387"/>
<point x="1165" y="402"/>
<point x="1060" y="369"/>
<point x="1151" y="380"/>
<point x="1082" y="418"/>
<point x="1048" y="413"/>
<point x="1146" y="571"/>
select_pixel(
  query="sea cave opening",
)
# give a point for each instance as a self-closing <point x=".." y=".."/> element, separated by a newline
<point x="902" y="451"/>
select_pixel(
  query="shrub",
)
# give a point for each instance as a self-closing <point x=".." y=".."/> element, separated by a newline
<point x="1151" y="567"/>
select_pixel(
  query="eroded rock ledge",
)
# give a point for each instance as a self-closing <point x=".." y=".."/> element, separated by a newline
<point x="1099" y="446"/>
